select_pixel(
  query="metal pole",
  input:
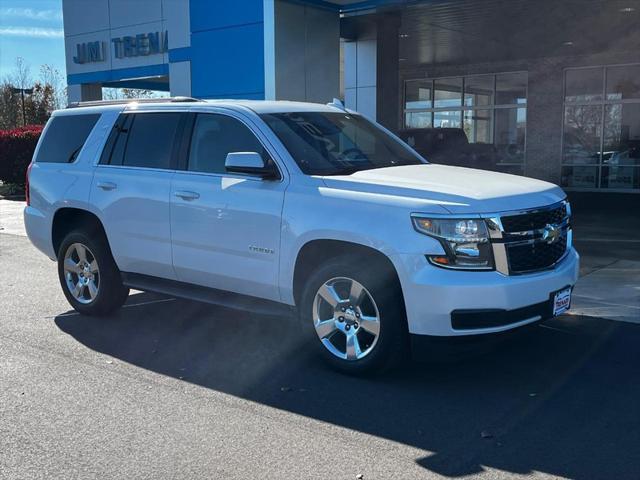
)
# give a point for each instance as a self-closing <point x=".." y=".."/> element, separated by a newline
<point x="24" y="116"/>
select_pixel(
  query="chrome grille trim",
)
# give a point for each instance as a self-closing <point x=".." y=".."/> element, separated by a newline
<point x="502" y="240"/>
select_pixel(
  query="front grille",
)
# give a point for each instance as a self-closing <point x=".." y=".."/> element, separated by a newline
<point x="529" y="241"/>
<point x="534" y="220"/>
<point x="536" y="255"/>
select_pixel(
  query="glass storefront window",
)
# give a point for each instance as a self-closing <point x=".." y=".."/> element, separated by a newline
<point x="601" y="136"/>
<point x="418" y="94"/>
<point x="582" y="131"/>
<point x="584" y="85"/>
<point x="579" y="177"/>
<point x="620" y="177"/>
<point x="417" y="120"/>
<point x="511" y="88"/>
<point x="478" y="126"/>
<point x="621" y="134"/>
<point x="447" y="119"/>
<point x="510" y="132"/>
<point x="447" y="93"/>
<point x="486" y="118"/>
<point x="623" y="83"/>
<point x="478" y="90"/>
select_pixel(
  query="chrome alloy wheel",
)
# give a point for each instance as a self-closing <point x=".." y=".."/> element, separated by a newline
<point x="346" y="318"/>
<point x="81" y="273"/>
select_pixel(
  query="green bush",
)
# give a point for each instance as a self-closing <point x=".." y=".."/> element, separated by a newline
<point x="16" y="150"/>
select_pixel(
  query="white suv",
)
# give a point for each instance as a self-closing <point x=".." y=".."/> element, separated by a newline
<point x="284" y="207"/>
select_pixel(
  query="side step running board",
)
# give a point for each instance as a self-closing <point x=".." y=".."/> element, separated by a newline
<point x="198" y="293"/>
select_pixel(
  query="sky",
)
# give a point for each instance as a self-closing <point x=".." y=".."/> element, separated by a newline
<point x="31" y="29"/>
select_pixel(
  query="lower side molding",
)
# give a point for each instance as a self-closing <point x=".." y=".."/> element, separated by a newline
<point x="213" y="296"/>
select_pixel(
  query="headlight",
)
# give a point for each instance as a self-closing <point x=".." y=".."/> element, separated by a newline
<point x="465" y="241"/>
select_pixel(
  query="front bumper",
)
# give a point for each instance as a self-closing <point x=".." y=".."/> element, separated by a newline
<point x="433" y="294"/>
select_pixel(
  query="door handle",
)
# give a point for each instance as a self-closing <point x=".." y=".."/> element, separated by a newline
<point x="187" y="195"/>
<point x="106" y="185"/>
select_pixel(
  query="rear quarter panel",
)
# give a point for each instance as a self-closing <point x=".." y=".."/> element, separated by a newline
<point x="53" y="186"/>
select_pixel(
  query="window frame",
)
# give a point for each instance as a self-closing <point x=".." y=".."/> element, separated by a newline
<point x="602" y="103"/>
<point x="465" y="108"/>
<point x="128" y="118"/>
<point x="187" y="137"/>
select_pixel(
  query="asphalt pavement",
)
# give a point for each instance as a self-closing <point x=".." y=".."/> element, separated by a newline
<point x="167" y="388"/>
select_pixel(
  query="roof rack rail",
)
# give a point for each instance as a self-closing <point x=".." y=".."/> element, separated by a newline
<point x="97" y="103"/>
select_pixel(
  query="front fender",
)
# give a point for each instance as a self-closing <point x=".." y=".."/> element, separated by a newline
<point x="312" y="213"/>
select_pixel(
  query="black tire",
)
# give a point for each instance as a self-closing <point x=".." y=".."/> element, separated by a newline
<point x="392" y="346"/>
<point x="111" y="293"/>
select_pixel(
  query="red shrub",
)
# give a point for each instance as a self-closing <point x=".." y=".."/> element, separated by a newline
<point x="16" y="149"/>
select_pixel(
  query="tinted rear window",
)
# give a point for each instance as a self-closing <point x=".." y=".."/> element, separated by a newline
<point x="65" y="137"/>
<point x="150" y="140"/>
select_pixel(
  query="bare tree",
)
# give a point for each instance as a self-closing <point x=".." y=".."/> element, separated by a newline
<point x="52" y="77"/>
<point x="20" y="79"/>
<point x="131" y="93"/>
<point x="21" y="75"/>
<point x="40" y="97"/>
<point x="111" y="93"/>
<point x="10" y="113"/>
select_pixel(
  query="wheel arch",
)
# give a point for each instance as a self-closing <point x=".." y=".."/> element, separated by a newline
<point x="312" y="253"/>
<point x="66" y="219"/>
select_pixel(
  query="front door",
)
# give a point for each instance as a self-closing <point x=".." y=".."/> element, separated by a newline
<point x="225" y="228"/>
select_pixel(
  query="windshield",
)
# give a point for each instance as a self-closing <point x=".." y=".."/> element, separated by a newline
<point x="327" y="143"/>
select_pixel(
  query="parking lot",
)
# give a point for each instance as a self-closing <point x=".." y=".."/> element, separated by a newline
<point x="168" y="388"/>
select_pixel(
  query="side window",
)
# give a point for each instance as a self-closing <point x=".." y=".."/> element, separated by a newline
<point x="65" y="137"/>
<point x="214" y="136"/>
<point x="150" y="140"/>
<point x="114" y="147"/>
<point x="142" y="140"/>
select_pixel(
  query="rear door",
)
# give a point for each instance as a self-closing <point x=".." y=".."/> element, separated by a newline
<point x="226" y="227"/>
<point x="132" y="189"/>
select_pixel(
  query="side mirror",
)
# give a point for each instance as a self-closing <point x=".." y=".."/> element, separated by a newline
<point x="250" y="163"/>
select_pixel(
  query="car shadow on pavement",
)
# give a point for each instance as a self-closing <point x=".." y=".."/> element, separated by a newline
<point x="561" y="398"/>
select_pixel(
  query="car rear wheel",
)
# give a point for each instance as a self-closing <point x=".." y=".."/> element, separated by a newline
<point x="88" y="274"/>
<point x="354" y="313"/>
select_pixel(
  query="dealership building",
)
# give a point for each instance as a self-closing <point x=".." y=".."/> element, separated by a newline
<point x="545" y="88"/>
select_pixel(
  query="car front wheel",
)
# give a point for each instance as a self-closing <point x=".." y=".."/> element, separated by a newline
<point x="356" y="313"/>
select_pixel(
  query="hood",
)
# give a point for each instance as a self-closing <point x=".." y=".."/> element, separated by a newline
<point x="458" y="190"/>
